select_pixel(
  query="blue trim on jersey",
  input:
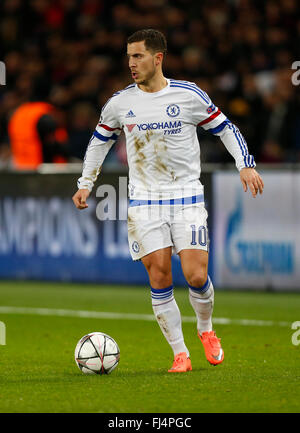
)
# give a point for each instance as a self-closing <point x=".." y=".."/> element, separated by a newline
<point x="243" y="140"/>
<point x="249" y="161"/>
<point x="242" y="147"/>
<point x="123" y="90"/>
<point x="220" y="127"/>
<point x="190" y="87"/>
<point x="241" y="144"/>
<point x="103" y="138"/>
<point x="173" y="201"/>
<point x="117" y="93"/>
<point x="193" y="89"/>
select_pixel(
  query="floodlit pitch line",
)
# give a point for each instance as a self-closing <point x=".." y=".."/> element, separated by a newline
<point x="129" y="316"/>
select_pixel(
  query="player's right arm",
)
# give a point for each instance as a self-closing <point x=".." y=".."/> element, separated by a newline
<point x="103" y="138"/>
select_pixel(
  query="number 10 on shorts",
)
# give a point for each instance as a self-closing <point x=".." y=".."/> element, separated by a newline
<point x="202" y="237"/>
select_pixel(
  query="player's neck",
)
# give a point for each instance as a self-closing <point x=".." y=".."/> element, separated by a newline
<point x="156" y="84"/>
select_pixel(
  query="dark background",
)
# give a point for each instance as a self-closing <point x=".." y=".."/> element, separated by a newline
<point x="72" y="53"/>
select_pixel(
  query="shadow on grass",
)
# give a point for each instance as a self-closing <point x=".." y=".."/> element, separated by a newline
<point x="75" y="377"/>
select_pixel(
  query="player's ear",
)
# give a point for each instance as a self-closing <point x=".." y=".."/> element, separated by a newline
<point x="158" y="58"/>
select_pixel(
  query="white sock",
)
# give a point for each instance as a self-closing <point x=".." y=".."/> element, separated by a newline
<point x="202" y="301"/>
<point x="169" y="318"/>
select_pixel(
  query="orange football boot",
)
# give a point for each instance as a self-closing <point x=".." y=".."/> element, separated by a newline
<point x="212" y="347"/>
<point x="181" y="363"/>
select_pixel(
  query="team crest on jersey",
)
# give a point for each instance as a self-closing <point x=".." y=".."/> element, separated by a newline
<point x="173" y="110"/>
<point x="135" y="247"/>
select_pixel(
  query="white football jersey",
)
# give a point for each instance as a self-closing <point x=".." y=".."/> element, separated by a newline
<point x="163" y="151"/>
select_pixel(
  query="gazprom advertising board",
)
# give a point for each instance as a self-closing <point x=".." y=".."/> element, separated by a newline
<point x="256" y="241"/>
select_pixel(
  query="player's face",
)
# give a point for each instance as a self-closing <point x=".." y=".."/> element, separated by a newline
<point x="142" y="63"/>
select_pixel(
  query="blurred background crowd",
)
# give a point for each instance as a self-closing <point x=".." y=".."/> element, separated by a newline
<point x="72" y="54"/>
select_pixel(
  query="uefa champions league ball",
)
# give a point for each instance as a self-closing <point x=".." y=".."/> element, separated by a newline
<point x="97" y="353"/>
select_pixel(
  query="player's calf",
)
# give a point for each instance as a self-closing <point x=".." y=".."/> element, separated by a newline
<point x="168" y="318"/>
<point x="202" y="301"/>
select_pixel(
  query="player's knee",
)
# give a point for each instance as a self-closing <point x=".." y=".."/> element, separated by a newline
<point x="160" y="280"/>
<point x="159" y="277"/>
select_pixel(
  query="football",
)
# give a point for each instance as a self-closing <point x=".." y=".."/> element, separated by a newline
<point x="97" y="353"/>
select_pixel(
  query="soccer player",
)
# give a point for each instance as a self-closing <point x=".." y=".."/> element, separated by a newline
<point x="166" y="208"/>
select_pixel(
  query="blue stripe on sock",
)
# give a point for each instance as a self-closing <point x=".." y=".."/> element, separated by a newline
<point x="162" y="290"/>
<point x="202" y="289"/>
<point x="164" y="296"/>
<point x="165" y="293"/>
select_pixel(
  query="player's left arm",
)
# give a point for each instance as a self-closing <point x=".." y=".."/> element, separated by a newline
<point x="236" y="145"/>
<point x="210" y="118"/>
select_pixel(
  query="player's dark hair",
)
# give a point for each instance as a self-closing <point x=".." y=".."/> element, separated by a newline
<point x="154" y="40"/>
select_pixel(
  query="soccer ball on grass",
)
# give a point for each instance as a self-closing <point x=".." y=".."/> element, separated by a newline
<point x="97" y="353"/>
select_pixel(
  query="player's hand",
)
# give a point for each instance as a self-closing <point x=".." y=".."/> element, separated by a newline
<point x="80" y="197"/>
<point x="250" y="178"/>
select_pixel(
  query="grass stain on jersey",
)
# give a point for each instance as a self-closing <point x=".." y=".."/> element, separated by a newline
<point x="138" y="144"/>
<point x="130" y="224"/>
<point x="161" y="166"/>
<point x="96" y="172"/>
<point x="140" y="156"/>
<point x="160" y="151"/>
<point x="148" y="135"/>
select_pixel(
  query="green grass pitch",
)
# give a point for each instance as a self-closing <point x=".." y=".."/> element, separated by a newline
<point x="260" y="373"/>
